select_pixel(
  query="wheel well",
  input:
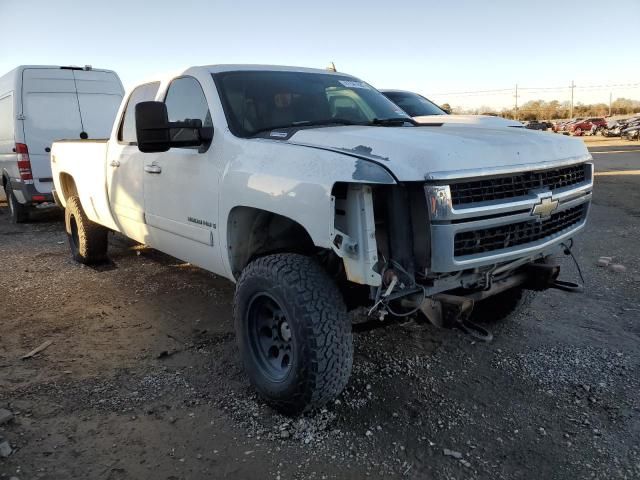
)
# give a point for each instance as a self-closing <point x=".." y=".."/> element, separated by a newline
<point x="253" y="232"/>
<point x="68" y="186"/>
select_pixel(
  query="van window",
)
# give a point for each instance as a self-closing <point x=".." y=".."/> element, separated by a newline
<point x="185" y="100"/>
<point x="142" y="93"/>
<point x="50" y="117"/>
<point x="98" y="113"/>
<point x="6" y="118"/>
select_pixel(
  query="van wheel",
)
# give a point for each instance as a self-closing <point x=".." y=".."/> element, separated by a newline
<point x="293" y="332"/>
<point x="87" y="240"/>
<point x="19" y="212"/>
<point x="500" y="306"/>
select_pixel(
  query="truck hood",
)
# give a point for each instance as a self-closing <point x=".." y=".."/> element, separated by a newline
<point x="433" y="152"/>
<point x="479" y="121"/>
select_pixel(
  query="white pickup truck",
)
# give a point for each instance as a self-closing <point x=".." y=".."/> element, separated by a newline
<point x="317" y="195"/>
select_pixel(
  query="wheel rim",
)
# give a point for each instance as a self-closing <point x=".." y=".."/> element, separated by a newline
<point x="74" y="232"/>
<point x="270" y="337"/>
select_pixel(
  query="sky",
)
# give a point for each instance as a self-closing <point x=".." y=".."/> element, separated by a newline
<point x="436" y="48"/>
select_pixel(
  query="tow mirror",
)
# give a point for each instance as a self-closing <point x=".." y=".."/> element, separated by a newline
<point x="155" y="133"/>
<point x="152" y="127"/>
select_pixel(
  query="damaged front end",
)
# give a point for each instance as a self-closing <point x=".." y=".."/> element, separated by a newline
<point x="438" y="247"/>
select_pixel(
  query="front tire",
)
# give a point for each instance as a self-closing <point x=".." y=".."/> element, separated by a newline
<point x="293" y="332"/>
<point x="88" y="241"/>
<point x="19" y="212"/>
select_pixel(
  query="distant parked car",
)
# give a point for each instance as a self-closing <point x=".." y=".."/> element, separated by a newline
<point x="567" y="125"/>
<point x="614" y="127"/>
<point x="535" y="125"/>
<point x="631" y="132"/>
<point x="424" y="111"/>
<point x="588" y="125"/>
<point x="413" y="104"/>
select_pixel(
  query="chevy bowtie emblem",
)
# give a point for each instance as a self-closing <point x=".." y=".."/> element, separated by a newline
<point x="545" y="208"/>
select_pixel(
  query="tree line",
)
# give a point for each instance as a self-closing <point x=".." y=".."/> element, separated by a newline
<point x="543" y="110"/>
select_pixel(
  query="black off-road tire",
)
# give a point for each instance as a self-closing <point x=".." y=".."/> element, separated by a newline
<point x="319" y="331"/>
<point x="88" y="241"/>
<point x="499" y="307"/>
<point x="19" y="212"/>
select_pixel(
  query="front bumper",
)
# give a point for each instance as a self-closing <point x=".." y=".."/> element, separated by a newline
<point x="448" y="221"/>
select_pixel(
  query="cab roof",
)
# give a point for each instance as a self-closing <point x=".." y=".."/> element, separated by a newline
<point x="267" y="68"/>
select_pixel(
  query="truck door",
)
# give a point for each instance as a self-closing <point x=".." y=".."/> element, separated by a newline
<point x="124" y="168"/>
<point x="181" y="186"/>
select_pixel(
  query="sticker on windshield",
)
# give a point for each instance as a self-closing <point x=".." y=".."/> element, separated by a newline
<point x="354" y="84"/>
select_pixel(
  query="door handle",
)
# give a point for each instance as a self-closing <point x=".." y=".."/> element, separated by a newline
<point x="115" y="163"/>
<point x="153" y="168"/>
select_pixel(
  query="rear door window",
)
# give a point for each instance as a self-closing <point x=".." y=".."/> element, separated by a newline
<point x="98" y="113"/>
<point x="48" y="117"/>
<point x="50" y="108"/>
<point x="142" y="93"/>
<point x="99" y="96"/>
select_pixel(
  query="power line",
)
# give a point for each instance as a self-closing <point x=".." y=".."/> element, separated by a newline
<point x="532" y="89"/>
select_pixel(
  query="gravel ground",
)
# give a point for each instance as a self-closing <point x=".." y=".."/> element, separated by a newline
<point x="142" y="378"/>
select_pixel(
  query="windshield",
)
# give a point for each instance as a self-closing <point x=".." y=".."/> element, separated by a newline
<point x="414" y="104"/>
<point x="258" y="101"/>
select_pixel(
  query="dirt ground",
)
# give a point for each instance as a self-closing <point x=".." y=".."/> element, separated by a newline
<point x="142" y="379"/>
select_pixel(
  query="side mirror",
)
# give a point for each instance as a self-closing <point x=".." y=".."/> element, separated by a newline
<point x="155" y="133"/>
<point x="152" y="127"/>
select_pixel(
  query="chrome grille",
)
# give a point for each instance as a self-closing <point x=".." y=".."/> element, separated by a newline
<point x="505" y="236"/>
<point x="516" y="185"/>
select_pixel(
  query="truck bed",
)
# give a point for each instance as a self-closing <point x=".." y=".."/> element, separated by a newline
<point x="86" y="162"/>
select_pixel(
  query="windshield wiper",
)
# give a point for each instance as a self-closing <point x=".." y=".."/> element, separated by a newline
<point x="392" y="121"/>
<point x="308" y="123"/>
<point x="330" y="121"/>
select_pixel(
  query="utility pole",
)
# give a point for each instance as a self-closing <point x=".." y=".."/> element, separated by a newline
<point x="573" y="85"/>
<point x="610" y="93"/>
<point x="516" y="109"/>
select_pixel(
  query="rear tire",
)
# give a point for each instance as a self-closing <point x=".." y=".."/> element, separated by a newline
<point x="501" y="306"/>
<point x="88" y="240"/>
<point x="293" y="332"/>
<point x="19" y="212"/>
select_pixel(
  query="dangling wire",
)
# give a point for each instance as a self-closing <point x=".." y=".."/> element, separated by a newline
<point x="567" y="251"/>
<point x="411" y="312"/>
<point x="412" y="284"/>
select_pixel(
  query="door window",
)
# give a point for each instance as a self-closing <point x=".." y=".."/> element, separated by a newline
<point x="185" y="100"/>
<point x="142" y="93"/>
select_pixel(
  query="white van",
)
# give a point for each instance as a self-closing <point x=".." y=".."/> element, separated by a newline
<point x="40" y="104"/>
